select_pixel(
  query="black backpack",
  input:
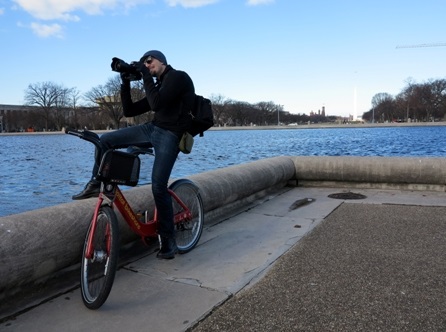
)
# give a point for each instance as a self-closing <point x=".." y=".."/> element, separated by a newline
<point x="202" y="116"/>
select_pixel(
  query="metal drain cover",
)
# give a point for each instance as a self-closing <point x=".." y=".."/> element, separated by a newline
<point x="347" y="195"/>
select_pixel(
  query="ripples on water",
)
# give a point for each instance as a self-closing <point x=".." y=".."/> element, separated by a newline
<point x="44" y="170"/>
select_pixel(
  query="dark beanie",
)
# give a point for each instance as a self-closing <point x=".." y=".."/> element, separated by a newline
<point x="155" y="54"/>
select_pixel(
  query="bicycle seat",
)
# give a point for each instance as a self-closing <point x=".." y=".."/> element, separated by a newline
<point x="137" y="150"/>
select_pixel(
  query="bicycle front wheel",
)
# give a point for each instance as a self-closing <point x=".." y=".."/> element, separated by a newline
<point x="188" y="231"/>
<point x="98" y="271"/>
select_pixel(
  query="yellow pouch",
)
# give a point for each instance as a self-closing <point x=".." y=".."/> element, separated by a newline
<point x="186" y="143"/>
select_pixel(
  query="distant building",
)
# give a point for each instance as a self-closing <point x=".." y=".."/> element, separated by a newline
<point x="9" y="114"/>
<point x="319" y="112"/>
<point x="20" y="118"/>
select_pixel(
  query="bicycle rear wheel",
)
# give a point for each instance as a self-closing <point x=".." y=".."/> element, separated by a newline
<point x="187" y="232"/>
<point x="98" y="272"/>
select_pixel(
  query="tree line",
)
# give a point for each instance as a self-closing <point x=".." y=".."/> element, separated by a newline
<point x="416" y="102"/>
<point x="56" y="106"/>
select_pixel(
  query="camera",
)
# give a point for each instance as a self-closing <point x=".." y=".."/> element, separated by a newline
<point x="129" y="70"/>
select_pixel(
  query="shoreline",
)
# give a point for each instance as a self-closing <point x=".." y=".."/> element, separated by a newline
<point x="336" y="125"/>
<point x="306" y="126"/>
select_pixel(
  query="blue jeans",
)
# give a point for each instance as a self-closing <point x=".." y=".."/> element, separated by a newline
<point x="165" y="144"/>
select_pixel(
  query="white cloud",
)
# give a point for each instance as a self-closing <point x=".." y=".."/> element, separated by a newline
<point x="259" y="2"/>
<point x="2" y="11"/>
<point x="44" y="30"/>
<point x="62" y="9"/>
<point x="190" y="3"/>
<point x="47" y="30"/>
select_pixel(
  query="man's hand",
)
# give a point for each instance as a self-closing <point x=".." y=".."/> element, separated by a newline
<point x="141" y="67"/>
<point x="125" y="77"/>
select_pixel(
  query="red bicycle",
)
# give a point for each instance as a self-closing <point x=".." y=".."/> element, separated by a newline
<point x="101" y="247"/>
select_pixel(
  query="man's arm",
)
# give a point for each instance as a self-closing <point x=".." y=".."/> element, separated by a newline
<point x="129" y="107"/>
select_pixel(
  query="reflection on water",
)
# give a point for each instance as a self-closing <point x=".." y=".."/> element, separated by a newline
<point x="44" y="170"/>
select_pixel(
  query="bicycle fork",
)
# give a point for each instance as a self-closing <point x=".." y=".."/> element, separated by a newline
<point x="90" y="252"/>
<point x="185" y="214"/>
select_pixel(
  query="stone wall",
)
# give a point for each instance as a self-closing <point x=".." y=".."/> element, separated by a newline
<point x="37" y="245"/>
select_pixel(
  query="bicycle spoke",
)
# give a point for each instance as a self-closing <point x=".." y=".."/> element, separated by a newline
<point x="98" y="271"/>
<point x="188" y="232"/>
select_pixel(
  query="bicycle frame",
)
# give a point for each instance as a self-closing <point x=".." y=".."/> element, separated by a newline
<point x="114" y="197"/>
<point x="101" y="247"/>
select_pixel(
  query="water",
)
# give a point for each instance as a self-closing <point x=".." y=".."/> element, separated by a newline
<point x="44" y="170"/>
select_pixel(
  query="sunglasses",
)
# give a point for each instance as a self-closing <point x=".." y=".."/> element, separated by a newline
<point x="148" y="61"/>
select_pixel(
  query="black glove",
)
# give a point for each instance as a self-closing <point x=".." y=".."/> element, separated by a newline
<point x="141" y="67"/>
<point x="125" y="77"/>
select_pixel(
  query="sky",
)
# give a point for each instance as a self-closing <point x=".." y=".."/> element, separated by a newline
<point x="303" y="55"/>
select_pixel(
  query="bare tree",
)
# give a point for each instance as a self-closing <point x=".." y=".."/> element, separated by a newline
<point x="74" y="98"/>
<point x="269" y="112"/>
<point x="418" y="101"/>
<point x="438" y="90"/>
<point x="108" y="98"/>
<point x="381" y="104"/>
<point x="137" y="92"/>
<point x="61" y="110"/>
<point x="45" y="95"/>
<point x="218" y="106"/>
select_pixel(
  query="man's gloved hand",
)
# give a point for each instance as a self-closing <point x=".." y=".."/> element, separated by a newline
<point x="125" y="77"/>
<point x="141" y="67"/>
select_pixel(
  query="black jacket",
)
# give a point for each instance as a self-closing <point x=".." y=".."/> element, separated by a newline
<point x="169" y="98"/>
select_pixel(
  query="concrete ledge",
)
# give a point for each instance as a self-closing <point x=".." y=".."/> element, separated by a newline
<point x="37" y="245"/>
<point x="223" y="186"/>
<point x="372" y="172"/>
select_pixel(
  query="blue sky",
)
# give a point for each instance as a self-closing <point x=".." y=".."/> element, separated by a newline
<point x="299" y="54"/>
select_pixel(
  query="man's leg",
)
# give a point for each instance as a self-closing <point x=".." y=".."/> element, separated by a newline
<point x="137" y="135"/>
<point x="166" y="151"/>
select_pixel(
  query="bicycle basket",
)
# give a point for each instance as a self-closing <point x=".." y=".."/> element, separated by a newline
<point x="120" y="168"/>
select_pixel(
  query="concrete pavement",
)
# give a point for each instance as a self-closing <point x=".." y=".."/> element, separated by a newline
<point x="283" y="265"/>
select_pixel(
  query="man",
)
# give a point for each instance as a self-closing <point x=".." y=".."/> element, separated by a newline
<point x="171" y="93"/>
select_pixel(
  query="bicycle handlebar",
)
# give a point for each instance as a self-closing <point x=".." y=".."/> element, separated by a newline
<point x="85" y="135"/>
<point x="94" y="138"/>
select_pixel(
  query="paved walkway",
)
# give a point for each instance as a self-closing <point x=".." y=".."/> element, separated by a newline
<point x="375" y="264"/>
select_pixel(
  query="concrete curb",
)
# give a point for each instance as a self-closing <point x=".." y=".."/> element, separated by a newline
<point x="36" y="245"/>
<point x="372" y="172"/>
